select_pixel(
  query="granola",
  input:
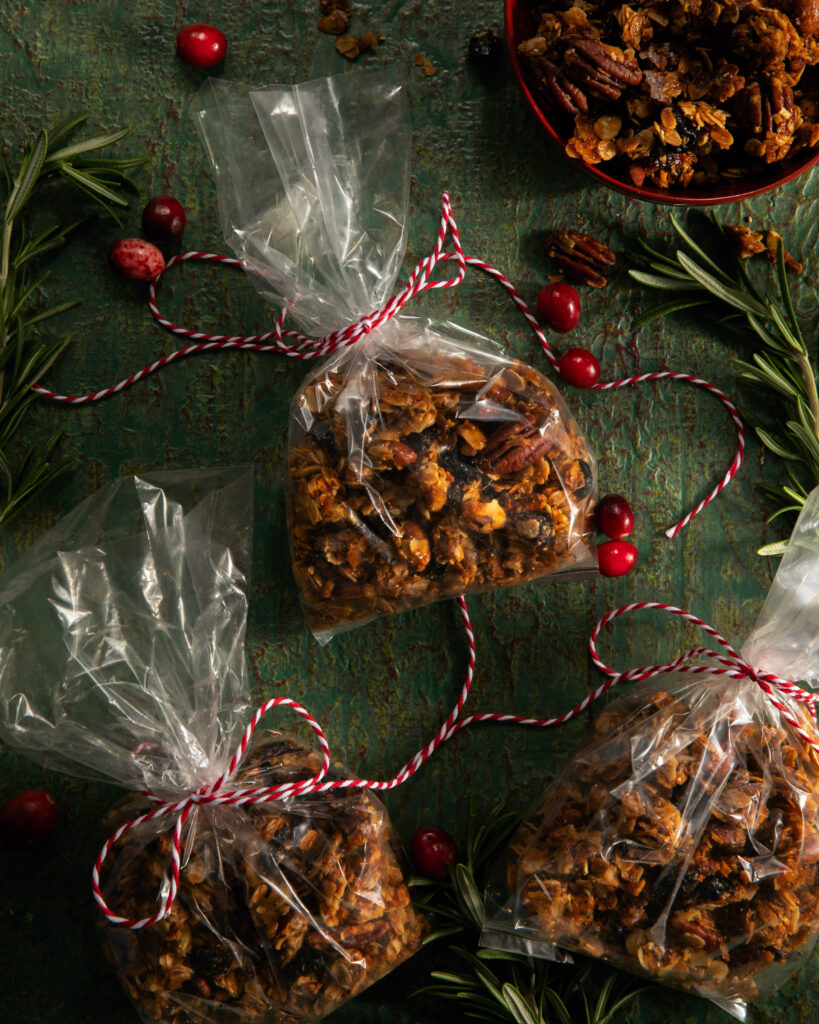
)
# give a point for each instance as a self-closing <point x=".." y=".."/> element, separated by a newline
<point x="284" y="910"/>
<point x="431" y="474"/>
<point x="678" y="94"/>
<point x="683" y="843"/>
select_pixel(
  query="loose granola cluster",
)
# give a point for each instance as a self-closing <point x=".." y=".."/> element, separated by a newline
<point x="436" y="476"/>
<point x="284" y="911"/>
<point x="682" y="844"/>
<point x="679" y="92"/>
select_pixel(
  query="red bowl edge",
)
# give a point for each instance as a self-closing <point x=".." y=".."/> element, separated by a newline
<point x="516" y="16"/>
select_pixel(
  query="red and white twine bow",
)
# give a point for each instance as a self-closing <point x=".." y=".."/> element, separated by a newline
<point x="733" y="667"/>
<point x="730" y="665"/>
<point x="299" y="346"/>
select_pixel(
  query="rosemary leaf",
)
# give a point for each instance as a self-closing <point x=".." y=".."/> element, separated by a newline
<point x="664" y="309"/>
<point x="86" y="146"/>
<point x="51" y="161"/>
<point x="774" y="446"/>
<point x="27" y="178"/>
<point x="668" y="284"/>
<point x="765" y="317"/>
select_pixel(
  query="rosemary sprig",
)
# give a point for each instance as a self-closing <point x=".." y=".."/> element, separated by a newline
<point x="31" y="230"/>
<point x="492" y="984"/>
<point x="781" y="366"/>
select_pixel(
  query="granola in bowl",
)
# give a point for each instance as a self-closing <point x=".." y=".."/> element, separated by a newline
<point x="677" y="95"/>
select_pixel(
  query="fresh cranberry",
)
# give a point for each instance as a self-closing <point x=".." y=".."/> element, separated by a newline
<point x="163" y="219"/>
<point x="579" y="367"/>
<point x="614" y="516"/>
<point x="432" y="851"/>
<point x="616" y="557"/>
<point x="558" y="306"/>
<point x="27" y="818"/>
<point x="136" y="259"/>
<point x="201" y="46"/>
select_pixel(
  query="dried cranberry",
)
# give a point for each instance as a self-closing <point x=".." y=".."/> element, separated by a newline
<point x="614" y="517"/>
<point x="579" y="367"/>
<point x="616" y="557"/>
<point x="163" y="219"/>
<point x="558" y="306"/>
<point x="432" y="851"/>
<point x="200" y="45"/>
<point x="136" y="259"/>
<point x="27" y="818"/>
<point x="485" y="48"/>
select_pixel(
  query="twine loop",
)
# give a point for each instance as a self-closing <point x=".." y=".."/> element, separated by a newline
<point x="729" y="664"/>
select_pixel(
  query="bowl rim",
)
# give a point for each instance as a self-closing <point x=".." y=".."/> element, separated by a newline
<point x="696" y="196"/>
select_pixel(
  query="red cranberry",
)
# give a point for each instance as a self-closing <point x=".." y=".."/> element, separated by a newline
<point x="579" y="367"/>
<point x="27" y="818"/>
<point x="616" y="557"/>
<point x="136" y="259"/>
<point x="201" y="46"/>
<point x="432" y="851"/>
<point x="614" y="517"/>
<point x="558" y="306"/>
<point x="163" y="219"/>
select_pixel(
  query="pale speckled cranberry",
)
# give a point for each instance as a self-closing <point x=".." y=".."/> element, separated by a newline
<point x="136" y="259"/>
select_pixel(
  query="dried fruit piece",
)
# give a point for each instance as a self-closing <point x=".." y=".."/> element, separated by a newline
<point x="485" y="48"/>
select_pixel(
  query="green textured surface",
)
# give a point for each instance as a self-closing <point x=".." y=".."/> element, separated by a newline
<point x="379" y="691"/>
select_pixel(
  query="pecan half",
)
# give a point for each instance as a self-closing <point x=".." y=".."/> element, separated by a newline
<point x="555" y="87"/>
<point x="581" y="257"/>
<point x="601" y="69"/>
<point x="514" y="446"/>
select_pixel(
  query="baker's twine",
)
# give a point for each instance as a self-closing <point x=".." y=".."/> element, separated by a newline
<point x="304" y="347"/>
<point x="218" y="792"/>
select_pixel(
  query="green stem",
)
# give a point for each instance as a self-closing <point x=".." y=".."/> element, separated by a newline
<point x="5" y="259"/>
<point x="810" y="386"/>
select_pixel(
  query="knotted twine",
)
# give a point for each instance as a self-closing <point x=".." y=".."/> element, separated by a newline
<point x="729" y="664"/>
<point x="304" y="347"/>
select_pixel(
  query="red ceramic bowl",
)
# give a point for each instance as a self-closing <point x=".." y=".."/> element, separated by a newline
<point x="519" y="27"/>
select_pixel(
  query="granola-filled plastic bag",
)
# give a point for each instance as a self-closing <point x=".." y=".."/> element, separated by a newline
<point x="423" y="461"/>
<point x="122" y="658"/>
<point x="683" y="842"/>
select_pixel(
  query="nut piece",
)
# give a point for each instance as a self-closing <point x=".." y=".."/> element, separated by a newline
<point x="336" y="17"/>
<point x="580" y="257"/>
<point x="748" y="243"/>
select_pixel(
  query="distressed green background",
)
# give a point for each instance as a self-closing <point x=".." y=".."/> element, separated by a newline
<point x="379" y="691"/>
